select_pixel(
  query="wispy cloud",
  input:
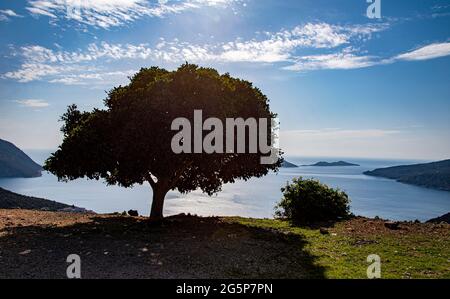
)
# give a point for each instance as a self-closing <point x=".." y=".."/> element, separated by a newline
<point x="6" y="14"/>
<point x="281" y="46"/>
<point x="110" y="13"/>
<point x="337" y="133"/>
<point x="33" y="103"/>
<point x="342" y="60"/>
<point x="348" y="58"/>
<point x="93" y="77"/>
<point x="74" y="67"/>
<point x="432" y="51"/>
<point x="95" y="64"/>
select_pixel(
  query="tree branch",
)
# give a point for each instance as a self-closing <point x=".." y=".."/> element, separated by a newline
<point x="151" y="180"/>
<point x="178" y="173"/>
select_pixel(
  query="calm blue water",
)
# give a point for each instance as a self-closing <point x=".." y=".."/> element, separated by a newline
<point x="255" y="198"/>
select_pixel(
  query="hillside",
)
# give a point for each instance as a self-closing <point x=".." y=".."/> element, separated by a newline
<point x="327" y="164"/>
<point x="434" y="175"/>
<point x="15" y="163"/>
<point x="114" y="246"/>
<point x="11" y="200"/>
<point x="444" y="218"/>
<point x="287" y="164"/>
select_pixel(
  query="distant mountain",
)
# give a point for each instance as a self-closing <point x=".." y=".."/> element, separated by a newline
<point x="338" y="163"/>
<point x="15" y="163"/>
<point x="287" y="164"/>
<point x="434" y="175"/>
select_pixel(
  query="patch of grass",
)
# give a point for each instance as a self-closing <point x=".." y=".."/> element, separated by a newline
<point x="415" y="251"/>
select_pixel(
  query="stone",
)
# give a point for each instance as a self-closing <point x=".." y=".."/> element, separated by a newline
<point x="324" y="231"/>
<point x="133" y="213"/>
<point x="392" y="225"/>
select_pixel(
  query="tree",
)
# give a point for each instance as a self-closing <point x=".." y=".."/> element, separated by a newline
<point x="129" y="142"/>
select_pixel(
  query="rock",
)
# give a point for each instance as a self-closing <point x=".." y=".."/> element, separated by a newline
<point x="324" y="231"/>
<point x="392" y="225"/>
<point x="133" y="213"/>
<point x="73" y="210"/>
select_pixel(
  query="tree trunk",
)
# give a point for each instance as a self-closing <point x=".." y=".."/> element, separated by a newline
<point x="157" y="204"/>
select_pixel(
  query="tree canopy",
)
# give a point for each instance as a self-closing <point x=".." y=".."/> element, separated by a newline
<point x="129" y="141"/>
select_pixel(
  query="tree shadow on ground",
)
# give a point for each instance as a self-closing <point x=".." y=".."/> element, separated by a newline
<point x="181" y="247"/>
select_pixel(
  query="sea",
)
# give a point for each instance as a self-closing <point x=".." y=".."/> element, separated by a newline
<point x="257" y="197"/>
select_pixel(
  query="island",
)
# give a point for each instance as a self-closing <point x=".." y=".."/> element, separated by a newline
<point x="14" y="163"/>
<point x="327" y="164"/>
<point x="286" y="164"/>
<point x="435" y="175"/>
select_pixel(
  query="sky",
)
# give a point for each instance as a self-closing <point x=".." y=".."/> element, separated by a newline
<point x="342" y="84"/>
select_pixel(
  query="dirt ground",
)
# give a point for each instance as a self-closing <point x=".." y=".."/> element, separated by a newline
<point x="35" y="244"/>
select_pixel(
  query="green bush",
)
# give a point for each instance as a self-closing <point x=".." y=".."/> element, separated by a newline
<point x="307" y="201"/>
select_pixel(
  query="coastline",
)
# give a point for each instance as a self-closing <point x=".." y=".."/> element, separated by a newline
<point x="11" y="200"/>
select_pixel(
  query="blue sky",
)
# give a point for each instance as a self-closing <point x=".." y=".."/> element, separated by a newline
<point x="341" y="83"/>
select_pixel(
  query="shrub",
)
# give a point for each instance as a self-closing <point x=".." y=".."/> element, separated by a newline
<point x="306" y="201"/>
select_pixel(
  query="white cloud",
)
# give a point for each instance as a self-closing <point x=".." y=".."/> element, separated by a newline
<point x="347" y="59"/>
<point x="80" y="67"/>
<point x="427" y="52"/>
<point x="33" y="103"/>
<point x="110" y="13"/>
<point x="94" y="64"/>
<point x="74" y="67"/>
<point x="343" y="60"/>
<point x="336" y="133"/>
<point x="32" y="71"/>
<point x="68" y="67"/>
<point x="6" y="14"/>
<point x="281" y="46"/>
<point x="89" y="78"/>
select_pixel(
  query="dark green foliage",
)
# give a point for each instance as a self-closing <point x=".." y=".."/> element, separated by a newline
<point x="129" y="142"/>
<point x="307" y="201"/>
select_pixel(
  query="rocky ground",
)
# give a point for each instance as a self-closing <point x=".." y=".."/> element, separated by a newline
<point x="35" y="244"/>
